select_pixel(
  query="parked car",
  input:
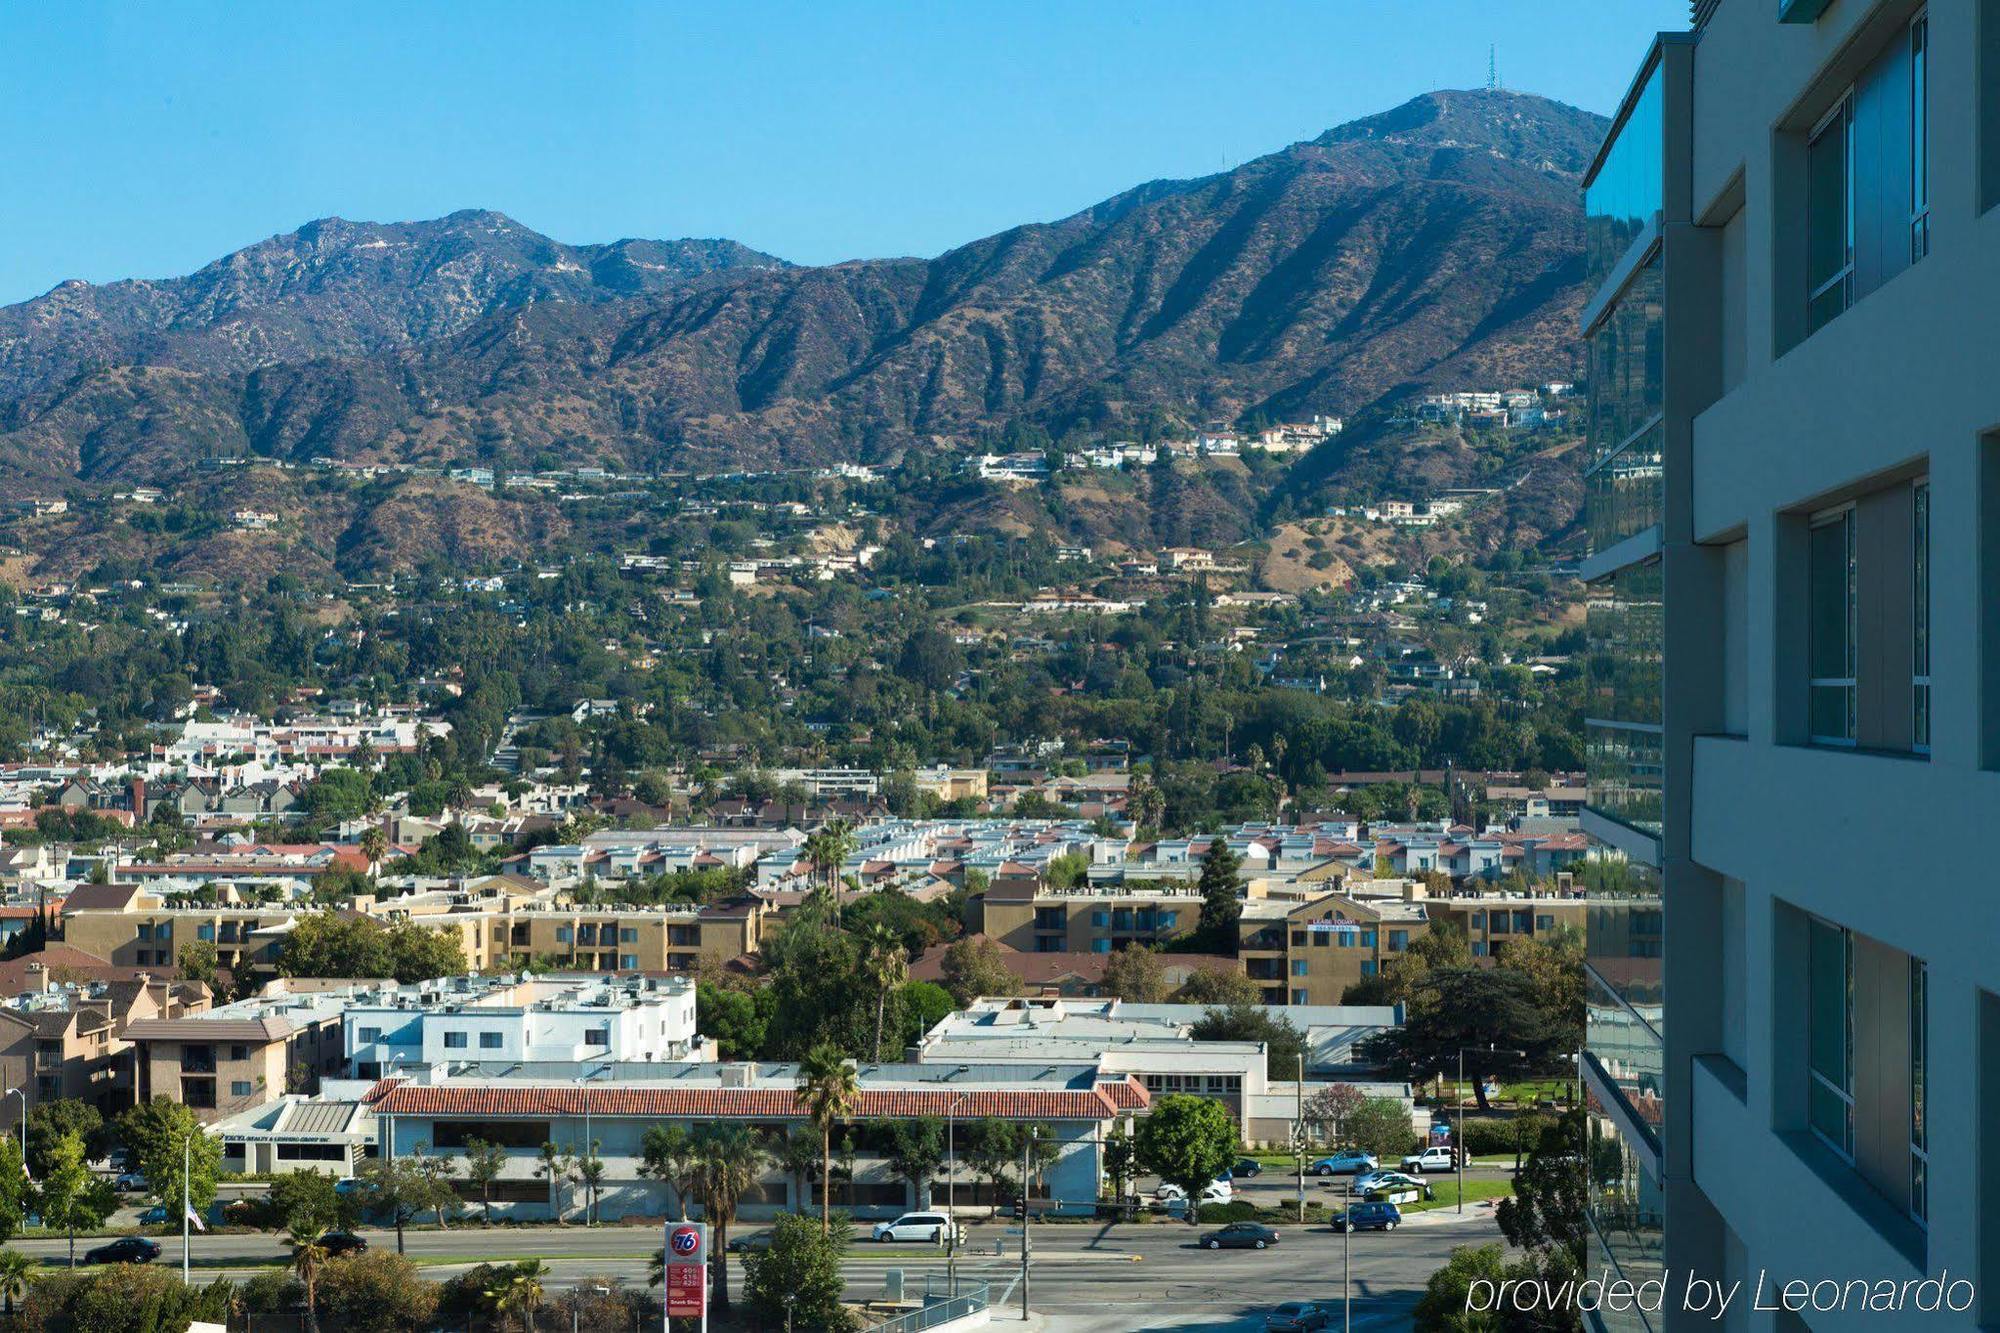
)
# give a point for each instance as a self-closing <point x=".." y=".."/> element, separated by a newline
<point x="124" y="1250"/>
<point x="1434" y="1158"/>
<point x="1247" y="1168"/>
<point x="129" y="1182"/>
<point x="1216" y="1191"/>
<point x="1345" y="1162"/>
<point x="755" y="1243"/>
<point x="1367" y="1217"/>
<point x="1299" y="1317"/>
<point x="1240" y="1236"/>
<point x="929" y="1227"/>
<point x="1388" y="1184"/>
<point x="338" y="1243"/>
<point x="153" y="1217"/>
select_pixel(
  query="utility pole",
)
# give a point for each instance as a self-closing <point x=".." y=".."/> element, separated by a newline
<point x="1027" y="1143"/>
<point x="187" y="1160"/>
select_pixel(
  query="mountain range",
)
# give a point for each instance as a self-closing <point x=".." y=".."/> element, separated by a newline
<point x="1436" y="244"/>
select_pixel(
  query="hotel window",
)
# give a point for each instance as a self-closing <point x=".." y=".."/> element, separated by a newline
<point x="1368" y="967"/>
<point x="628" y="962"/>
<point x="1920" y="133"/>
<point x="1300" y="996"/>
<point x="1830" y="216"/>
<point x="1300" y="967"/>
<point x="597" y="1037"/>
<point x="1830" y="1035"/>
<point x="454" y="1041"/>
<point x="562" y="934"/>
<point x="489" y="1041"/>
<point x="370" y="1035"/>
<point x="1830" y="609"/>
<point x="1920" y="612"/>
<point x="628" y="935"/>
<point x="1399" y="940"/>
<point x="239" y="1088"/>
<point x="1920" y="1050"/>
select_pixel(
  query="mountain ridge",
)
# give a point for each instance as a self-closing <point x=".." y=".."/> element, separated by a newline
<point x="1429" y="243"/>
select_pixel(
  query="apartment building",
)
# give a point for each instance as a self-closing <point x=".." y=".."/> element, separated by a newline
<point x="1794" y="494"/>
<point x="1309" y="952"/>
<point x="70" y="1039"/>
<point x="236" y="1056"/>
<point x="1021" y="914"/>
<point x="544" y="1020"/>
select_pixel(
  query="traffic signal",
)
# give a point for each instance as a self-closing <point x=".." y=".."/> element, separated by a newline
<point x="1021" y="1209"/>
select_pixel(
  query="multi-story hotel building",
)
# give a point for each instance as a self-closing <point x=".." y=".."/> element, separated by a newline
<point x="1794" y="498"/>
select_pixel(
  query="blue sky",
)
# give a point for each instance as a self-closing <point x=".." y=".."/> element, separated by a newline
<point x="144" y="140"/>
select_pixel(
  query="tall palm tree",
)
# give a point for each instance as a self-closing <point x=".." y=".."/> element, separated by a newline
<point x="15" y="1268"/>
<point x="375" y="846"/>
<point x="732" y="1160"/>
<point x="521" y="1292"/>
<point x="887" y="967"/>
<point x="309" y="1256"/>
<point x="827" y="1092"/>
<point x="827" y="849"/>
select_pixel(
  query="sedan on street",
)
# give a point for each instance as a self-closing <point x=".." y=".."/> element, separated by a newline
<point x="124" y="1250"/>
<point x="1343" y="1163"/>
<point x="1240" y="1236"/>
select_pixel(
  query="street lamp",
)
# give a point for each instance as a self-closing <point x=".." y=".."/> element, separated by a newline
<point x="16" y="1092"/>
<point x="950" y="1192"/>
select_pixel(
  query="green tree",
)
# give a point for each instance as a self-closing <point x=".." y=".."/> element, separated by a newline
<point x="974" y="967"/>
<point x="197" y="961"/>
<point x="992" y="1149"/>
<point x="1121" y="1160"/>
<point x="400" y="1190"/>
<point x="484" y="1163"/>
<point x="587" y="1169"/>
<point x="309" y="1256"/>
<point x="797" y="1156"/>
<point x="799" y="1275"/>
<point x="1135" y="974"/>
<point x="16" y="1270"/>
<point x="1284" y="1044"/>
<point x="1550" y="1193"/>
<point x="668" y="1155"/>
<point x="1211" y="986"/>
<point x="376" y="1292"/>
<point x="159" y="1135"/>
<point x="886" y="966"/>
<point x="730" y="1160"/>
<point x="1492" y="1023"/>
<point x="1378" y="1126"/>
<point x="437" y="1170"/>
<point x="1553" y="964"/>
<point x="916" y="1151"/>
<point x="1189" y="1142"/>
<point x="1473" y="1277"/>
<point x="15" y="1190"/>
<point x="50" y="1120"/>
<point x="828" y="1090"/>
<point x="520" y="1291"/>
<point x="734" y="1019"/>
<point x="1221" y="889"/>
<point x="71" y="1197"/>
<point x="307" y="1202"/>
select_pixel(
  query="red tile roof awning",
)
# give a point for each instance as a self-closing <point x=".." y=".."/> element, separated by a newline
<point x="1103" y="1102"/>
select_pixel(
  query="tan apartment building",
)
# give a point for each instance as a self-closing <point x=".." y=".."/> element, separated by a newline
<point x="242" y="1055"/>
<point x="1311" y="951"/>
<point x="72" y="1040"/>
<point x="1021" y="914"/>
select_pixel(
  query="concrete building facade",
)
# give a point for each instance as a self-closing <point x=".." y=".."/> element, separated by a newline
<point x="1795" y="496"/>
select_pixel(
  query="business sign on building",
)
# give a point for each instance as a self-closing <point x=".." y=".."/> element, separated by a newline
<point x="687" y="1269"/>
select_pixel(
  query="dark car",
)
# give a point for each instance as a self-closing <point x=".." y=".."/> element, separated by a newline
<point x="1298" y="1317"/>
<point x="337" y="1243"/>
<point x="1247" y="1168"/>
<point x="1368" y="1217"/>
<point x="754" y="1243"/>
<point x="1240" y="1236"/>
<point x="124" y="1250"/>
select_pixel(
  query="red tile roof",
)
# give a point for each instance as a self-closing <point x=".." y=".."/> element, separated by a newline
<point x="1103" y="1102"/>
<point x="1127" y="1093"/>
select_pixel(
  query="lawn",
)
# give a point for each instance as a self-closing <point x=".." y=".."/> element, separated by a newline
<point x="1476" y="1191"/>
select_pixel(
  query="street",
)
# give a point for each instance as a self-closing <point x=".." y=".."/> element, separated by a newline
<point x="1090" y="1278"/>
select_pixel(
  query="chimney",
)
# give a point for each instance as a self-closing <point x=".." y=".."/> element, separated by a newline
<point x="138" y="800"/>
<point x="38" y="978"/>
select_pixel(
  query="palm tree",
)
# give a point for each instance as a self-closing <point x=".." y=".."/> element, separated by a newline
<point x="553" y="1170"/>
<point x="374" y="846"/>
<point x="521" y="1293"/>
<point x="797" y="1155"/>
<point x="827" y="1091"/>
<point x="15" y="1267"/>
<point x="588" y="1171"/>
<point x="886" y="964"/>
<point x="309" y="1256"/>
<point x="827" y="850"/>
<point x="732" y="1159"/>
<point x="668" y="1153"/>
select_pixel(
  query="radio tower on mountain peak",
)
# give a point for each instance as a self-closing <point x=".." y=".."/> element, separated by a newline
<point x="1492" y="70"/>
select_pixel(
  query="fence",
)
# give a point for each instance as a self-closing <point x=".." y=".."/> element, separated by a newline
<point x="941" y="1310"/>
